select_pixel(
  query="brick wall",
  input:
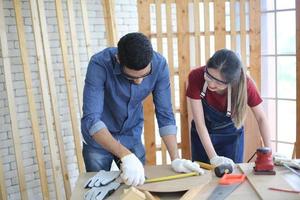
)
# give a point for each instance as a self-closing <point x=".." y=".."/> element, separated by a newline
<point x="126" y="20"/>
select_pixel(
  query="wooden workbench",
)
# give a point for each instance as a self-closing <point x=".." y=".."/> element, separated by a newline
<point x="254" y="188"/>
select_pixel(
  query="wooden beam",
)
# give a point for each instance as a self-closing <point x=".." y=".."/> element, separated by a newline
<point x="206" y="29"/>
<point x="149" y="131"/>
<point x="297" y="146"/>
<point x="243" y="31"/>
<point x="255" y="42"/>
<point x="75" y="53"/>
<point x="69" y="85"/>
<point x="232" y="26"/>
<point x="220" y="33"/>
<point x="184" y="63"/>
<point x="197" y="33"/>
<point x="53" y="96"/>
<point x="110" y="22"/>
<point x="85" y="21"/>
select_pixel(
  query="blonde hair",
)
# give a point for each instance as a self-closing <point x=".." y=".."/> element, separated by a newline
<point x="232" y="70"/>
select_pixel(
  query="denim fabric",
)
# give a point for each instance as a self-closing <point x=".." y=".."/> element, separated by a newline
<point x="111" y="101"/>
<point x="227" y="140"/>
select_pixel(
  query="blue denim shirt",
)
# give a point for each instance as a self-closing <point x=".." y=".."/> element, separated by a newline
<point x="111" y="101"/>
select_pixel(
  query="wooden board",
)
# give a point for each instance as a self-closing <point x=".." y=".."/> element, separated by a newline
<point x="176" y="185"/>
<point x="282" y="180"/>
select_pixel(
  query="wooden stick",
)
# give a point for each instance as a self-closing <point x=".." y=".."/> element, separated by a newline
<point x="197" y="33"/>
<point x="243" y="31"/>
<point x="206" y="29"/>
<point x="220" y="34"/>
<point x="232" y="25"/>
<point x="3" y="194"/>
<point x="86" y="28"/>
<point x="68" y="79"/>
<point x="110" y="22"/>
<point x="53" y="96"/>
<point x="75" y="52"/>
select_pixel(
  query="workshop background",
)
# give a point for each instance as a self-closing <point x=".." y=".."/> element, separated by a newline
<point x="45" y="49"/>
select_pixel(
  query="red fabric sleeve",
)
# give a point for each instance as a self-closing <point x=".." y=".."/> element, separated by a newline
<point x="254" y="97"/>
<point x="195" y="83"/>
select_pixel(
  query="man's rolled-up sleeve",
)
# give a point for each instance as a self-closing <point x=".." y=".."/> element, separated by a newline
<point x="93" y="98"/>
<point x="163" y="105"/>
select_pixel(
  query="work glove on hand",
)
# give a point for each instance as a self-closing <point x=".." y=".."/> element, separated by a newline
<point x="132" y="170"/>
<point x="280" y="159"/>
<point x="102" y="178"/>
<point x="186" y="166"/>
<point x="221" y="160"/>
<point x="99" y="193"/>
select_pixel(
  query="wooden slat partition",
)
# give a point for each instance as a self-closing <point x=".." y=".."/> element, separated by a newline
<point x="46" y="103"/>
<point x="110" y="22"/>
<point x="30" y="96"/>
<point x="243" y="31"/>
<point x="149" y="132"/>
<point x="232" y="26"/>
<point x="297" y="146"/>
<point x="197" y="33"/>
<point x="68" y="79"/>
<point x="75" y="52"/>
<point x="184" y="64"/>
<point x="220" y="34"/>
<point x="86" y="28"/>
<point x="206" y="29"/>
<point x="53" y="95"/>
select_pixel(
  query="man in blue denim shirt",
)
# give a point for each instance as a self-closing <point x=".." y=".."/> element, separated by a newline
<point x="117" y="82"/>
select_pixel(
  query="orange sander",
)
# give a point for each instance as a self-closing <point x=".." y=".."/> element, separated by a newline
<point x="264" y="163"/>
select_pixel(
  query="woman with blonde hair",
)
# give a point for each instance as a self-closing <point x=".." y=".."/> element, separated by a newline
<point x="219" y="94"/>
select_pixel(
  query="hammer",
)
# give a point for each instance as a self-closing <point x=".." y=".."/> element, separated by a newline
<point x="219" y="170"/>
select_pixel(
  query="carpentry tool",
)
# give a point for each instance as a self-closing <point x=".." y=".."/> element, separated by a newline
<point x="264" y="164"/>
<point x="172" y="177"/>
<point x="219" y="170"/>
<point x="227" y="184"/>
<point x="284" y="190"/>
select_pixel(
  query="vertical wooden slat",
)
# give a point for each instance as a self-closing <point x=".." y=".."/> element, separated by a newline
<point x="243" y="31"/>
<point x="53" y="96"/>
<point x="219" y="18"/>
<point x="170" y="49"/>
<point x="3" y="195"/>
<point x="149" y="132"/>
<point x="206" y="29"/>
<point x="86" y="28"/>
<point x="110" y="22"/>
<point x="255" y="42"/>
<point x="232" y="25"/>
<point x="30" y="95"/>
<point x="184" y="61"/>
<point x="68" y="79"/>
<point x="297" y="146"/>
<point x="160" y="50"/>
<point x="75" y="54"/>
<point x="46" y="99"/>
<point x="197" y="33"/>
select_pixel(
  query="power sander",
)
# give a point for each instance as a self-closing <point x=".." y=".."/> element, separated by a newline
<point x="264" y="163"/>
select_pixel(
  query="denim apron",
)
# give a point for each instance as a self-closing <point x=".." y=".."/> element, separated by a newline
<point x="227" y="140"/>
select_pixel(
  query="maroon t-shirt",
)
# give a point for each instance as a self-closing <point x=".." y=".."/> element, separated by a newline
<point x="217" y="101"/>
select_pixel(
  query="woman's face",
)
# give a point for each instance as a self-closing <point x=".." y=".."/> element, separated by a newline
<point x="215" y="81"/>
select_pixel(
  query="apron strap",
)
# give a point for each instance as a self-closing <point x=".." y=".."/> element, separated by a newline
<point x="203" y="93"/>
<point x="228" y="114"/>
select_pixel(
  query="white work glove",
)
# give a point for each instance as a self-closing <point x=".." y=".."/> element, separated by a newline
<point x="280" y="159"/>
<point x="186" y="166"/>
<point x="102" y="178"/>
<point x="99" y="193"/>
<point x="221" y="160"/>
<point x="132" y="170"/>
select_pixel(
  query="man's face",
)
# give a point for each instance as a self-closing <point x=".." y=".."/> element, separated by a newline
<point x="137" y="76"/>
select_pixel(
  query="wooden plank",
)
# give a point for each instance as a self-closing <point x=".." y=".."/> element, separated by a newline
<point x="86" y="28"/>
<point x="261" y="183"/>
<point x="3" y="194"/>
<point x="183" y="62"/>
<point x="219" y="18"/>
<point x="149" y="123"/>
<point x="68" y="79"/>
<point x="243" y="31"/>
<point x="110" y="22"/>
<point x="53" y="96"/>
<point x="255" y="42"/>
<point x="75" y="52"/>
<point x="206" y="29"/>
<point x="197" y="33"/>
<point x="297" y="146"/>
<point x="232" y="25"/>
<point x="46" y="104"/>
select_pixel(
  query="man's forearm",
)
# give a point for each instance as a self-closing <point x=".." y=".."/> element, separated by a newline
<point x="171" y="143"/>
<point x="108" y="142"/>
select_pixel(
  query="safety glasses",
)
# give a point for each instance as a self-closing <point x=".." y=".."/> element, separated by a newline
<point x="130" y="77"/>
<point x="208" y="77"/>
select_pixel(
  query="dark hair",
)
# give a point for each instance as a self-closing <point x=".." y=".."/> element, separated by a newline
<point x="135" y="51"/>
<point x="232" y="70"/>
